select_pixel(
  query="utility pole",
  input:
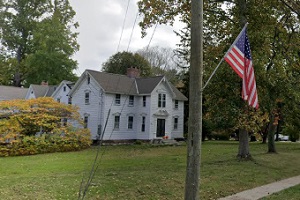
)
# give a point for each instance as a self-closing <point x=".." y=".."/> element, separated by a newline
<point x="192" y="181"/>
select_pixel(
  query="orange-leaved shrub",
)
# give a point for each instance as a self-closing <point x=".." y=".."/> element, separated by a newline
<point x="40" y="125"/>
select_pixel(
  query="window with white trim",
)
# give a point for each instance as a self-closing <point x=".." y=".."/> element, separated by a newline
<point x="69" y="100"/>
<point x="144" y="101"/>
<point x="176" y="104"/>
<point x="87" y="97"/>
<point x="85" y="121"/>
<point x="143" y="124"/>
<point x="175" y="125"/>
<point x="118" y="99"/>
<point x="131" y="100"/>
<point x="117" y="122"/>
<point x="130" y="122"/>
<point x="161" y="100"/>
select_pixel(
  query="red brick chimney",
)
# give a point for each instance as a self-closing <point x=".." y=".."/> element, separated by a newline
<point x="133" y="72"/>
<point x="44" y="83"/>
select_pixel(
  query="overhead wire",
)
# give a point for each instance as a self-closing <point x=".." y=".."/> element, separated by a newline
<point x="152" y="35"/>
<point x="137" y="14"/>
<point x="95" y="165"/>
<point x="123" y="25"/>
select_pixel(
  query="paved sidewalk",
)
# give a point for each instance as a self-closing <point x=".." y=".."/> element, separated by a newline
<point x="265" y="190"/>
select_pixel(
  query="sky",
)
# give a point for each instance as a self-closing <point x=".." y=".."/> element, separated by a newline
<point x="100" y="28"/>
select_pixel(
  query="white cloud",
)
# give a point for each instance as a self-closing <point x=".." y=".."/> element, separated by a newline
<point x="100" y="29"/>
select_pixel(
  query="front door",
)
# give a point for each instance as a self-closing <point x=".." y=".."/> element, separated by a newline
<point x="160" y="130"/>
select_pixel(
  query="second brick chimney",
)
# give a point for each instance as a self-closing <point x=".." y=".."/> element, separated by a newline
<point x="133" y="72"/>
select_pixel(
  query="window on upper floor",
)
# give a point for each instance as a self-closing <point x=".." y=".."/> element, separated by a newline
<point x="131" y="100"/>
<point x="130" y="122"/>
<point x="175" y="124"/>
<point x="144" y="101"/>
<point x="117" y="122"/>
<point x="161" y="100"/>
<point x="87" y="98"/>
<point x="118" y="99"/>
<point x="176" y="104"/>
<point x="143" y="124"/>
<point x="65" y="88"/>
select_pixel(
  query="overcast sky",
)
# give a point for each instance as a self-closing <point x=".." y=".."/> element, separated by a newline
<point x="101" y="23"/>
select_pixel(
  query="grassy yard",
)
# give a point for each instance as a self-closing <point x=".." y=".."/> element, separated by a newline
<point x="144" y="172"/>
<point x="292" y="194"/>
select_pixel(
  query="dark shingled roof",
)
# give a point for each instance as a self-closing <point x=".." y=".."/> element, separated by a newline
<point x="114" y="83"/>
<point x="147" y="85"/>
<point x="10" y="92"/>
<point x="43" y="90"/>
<point x="122" y="84"/>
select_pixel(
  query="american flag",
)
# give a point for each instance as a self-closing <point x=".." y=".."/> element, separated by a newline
<point x="239" y="58"/>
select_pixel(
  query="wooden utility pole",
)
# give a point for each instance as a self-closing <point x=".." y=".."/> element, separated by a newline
<point x="192" y="181"/>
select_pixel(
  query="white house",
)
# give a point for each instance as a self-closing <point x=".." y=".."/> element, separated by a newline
<point x="43" y="90"/>
<point x="128" y="107"/>
<point x="61" y="93"/>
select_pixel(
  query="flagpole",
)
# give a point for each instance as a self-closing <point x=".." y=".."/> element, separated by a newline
<point x="213" y="73"/>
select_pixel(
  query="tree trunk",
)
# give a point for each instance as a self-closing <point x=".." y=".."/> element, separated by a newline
<point x="244" y="153"/>
<point x="271" y="140"/>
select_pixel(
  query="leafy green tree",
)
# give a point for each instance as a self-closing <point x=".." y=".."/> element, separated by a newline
<point x="25" y="32"/>
<point x="273" y="36"/>
<point x="53" y="47"/>
<point x="119" y="62"/>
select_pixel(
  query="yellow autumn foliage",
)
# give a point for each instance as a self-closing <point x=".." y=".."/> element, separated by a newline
<point x="21" y="120"/>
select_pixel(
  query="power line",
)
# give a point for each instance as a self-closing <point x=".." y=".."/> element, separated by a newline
<point x="152" y="35"/>
<point x="132" y="30"/>
<point x="95" y="165"/>
<point x="123" y="25"/>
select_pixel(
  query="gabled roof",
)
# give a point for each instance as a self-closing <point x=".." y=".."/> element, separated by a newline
<point x="147" y="85"/>
<point x="122" y="84"/>
<point x="114" y="83"/>
<point x="64" y="82"/>
<point x="10" y="92"/>
<point x="43" y="90"/>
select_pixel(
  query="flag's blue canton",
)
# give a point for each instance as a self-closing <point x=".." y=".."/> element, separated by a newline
<point x="240" y="43"/>
<point x="247" y="48"/>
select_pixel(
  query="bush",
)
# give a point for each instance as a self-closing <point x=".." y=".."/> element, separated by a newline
<point x="20" y="120"/>
<point x="292" y="131"/>
<point x="73" y="140"/>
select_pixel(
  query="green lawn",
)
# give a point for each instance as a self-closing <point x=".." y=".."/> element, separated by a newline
<point x="144" y="172"/>
<point x="292" y="193"/>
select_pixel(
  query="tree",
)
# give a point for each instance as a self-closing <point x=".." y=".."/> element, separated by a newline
<point x="20" y="25"/>
<point x="163" y="61"/>
<point x="119" y="62"/>
<point x="272" y="36"/>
